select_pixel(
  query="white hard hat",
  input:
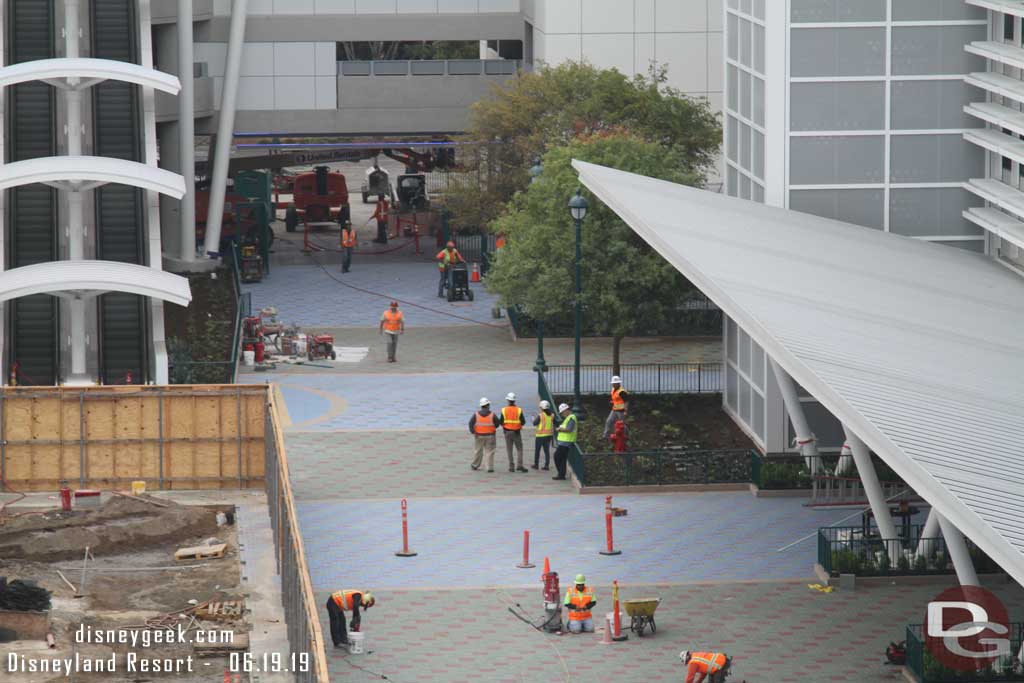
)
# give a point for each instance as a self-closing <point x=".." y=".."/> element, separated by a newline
<point x="564" y="406"/>
<point x="545" y="405"/>
<point x="616" y="380"/>
<point x="484" y="402"/>
<point x="510" y="396"/>
<point x="684" y="655"/>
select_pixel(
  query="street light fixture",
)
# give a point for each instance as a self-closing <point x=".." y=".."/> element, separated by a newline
<point x="578" y="209"/>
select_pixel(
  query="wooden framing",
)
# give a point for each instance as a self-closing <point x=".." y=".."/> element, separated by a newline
<point x="171" y="437"/>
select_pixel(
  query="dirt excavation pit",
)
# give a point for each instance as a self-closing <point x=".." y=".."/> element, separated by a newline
<point x="134" y="585"/>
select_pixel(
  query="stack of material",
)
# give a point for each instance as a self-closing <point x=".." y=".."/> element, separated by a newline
<point x="23" y="596"/>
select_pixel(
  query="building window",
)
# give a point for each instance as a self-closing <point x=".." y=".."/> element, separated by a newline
<point x="1008" y="25"/>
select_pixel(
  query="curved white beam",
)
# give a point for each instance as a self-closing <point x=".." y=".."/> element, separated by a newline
<point x="90" y="71"/>
<point x="63" y="278"/>
<point x="91" y="170"/>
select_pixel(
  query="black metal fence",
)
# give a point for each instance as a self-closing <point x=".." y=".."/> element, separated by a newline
<point x="651" y="378"/>
<point x="667" y="467"/>
<point x="930" y="670"/>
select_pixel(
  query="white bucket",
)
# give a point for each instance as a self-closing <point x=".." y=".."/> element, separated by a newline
<point x="610" y="616"/>
<point x="356" y="642"/>
<point x="249" y="358"/>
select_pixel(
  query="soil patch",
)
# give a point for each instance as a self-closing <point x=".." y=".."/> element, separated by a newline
<point x="204" y="330"/>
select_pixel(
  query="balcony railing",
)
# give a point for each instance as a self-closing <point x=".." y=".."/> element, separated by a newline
<point x="431" y="67"/>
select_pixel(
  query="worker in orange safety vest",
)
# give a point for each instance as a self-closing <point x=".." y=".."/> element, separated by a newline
<point x="392" y="324"/>
<point x="711" y="667"/>
<point x="348" y="243"/>
<point x="619" y="402"/>
<point x="445" y="258"/>
<point x="579" y="599"/>
<point x="483" y="425"/>
<point x="380" y="214"/>
<point x="512" y="419"/>
<point x="347" y="601"/>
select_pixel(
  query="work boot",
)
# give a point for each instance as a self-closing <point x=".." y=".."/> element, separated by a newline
<point x="522" y="469"/>
<point x="533" y="467"/>
<point x="511" y="469"/>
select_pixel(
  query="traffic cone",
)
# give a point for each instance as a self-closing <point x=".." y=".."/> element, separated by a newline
<point x="547" y="569"/>
<point x="606" y="639"/>
<point x="475" y="277"/>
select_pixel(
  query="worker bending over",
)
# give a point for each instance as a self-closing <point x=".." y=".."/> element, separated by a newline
<point x="346" y="601"/>
<point x="711" y="667"/>
<point x="579" y="599"/>
<point x="445" y="258"/>
<point x="512" y="419"/>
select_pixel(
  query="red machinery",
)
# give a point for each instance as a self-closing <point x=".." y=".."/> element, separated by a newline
<point x="552" y="602"/>
<point x="320" y="346"/>
<point x="228" y="228"/>
<point x="321" y="196"/>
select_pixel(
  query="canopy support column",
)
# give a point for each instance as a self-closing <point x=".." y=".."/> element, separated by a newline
<point x="872" y="487"/>
<point x="187" y="130"/>
<point x="958" y="552"/>
<point x="804" y="438"/>
<point x="928" y="535"/>
<point x="845" y="460"/>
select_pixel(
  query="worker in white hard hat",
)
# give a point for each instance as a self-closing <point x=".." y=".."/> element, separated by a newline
<point x="565" y="438"/>
<point x="484" y="428"/>
<point x="347" y="601"/>
<point x="620" y="404"/>
<point x="512" y="420"/>
<point x="544" y="421"/>
<point x="706" y="667"/>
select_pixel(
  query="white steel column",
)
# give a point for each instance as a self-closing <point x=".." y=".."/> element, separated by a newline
<point x="929" y="534"/>
<point x="845" y="459"/>
<point x="187" y="130"/>
<point x="958" y="551"/>
<point x="804" y="438"/>
<point x="225" y="128"/>
<point x="873" y="489"/>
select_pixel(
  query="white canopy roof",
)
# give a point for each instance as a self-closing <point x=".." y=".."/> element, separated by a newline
<point x="88" y="69"/>
<point x="916" y="347"/>
<point x="92" y="170"/>
<point x="78" y="278"/>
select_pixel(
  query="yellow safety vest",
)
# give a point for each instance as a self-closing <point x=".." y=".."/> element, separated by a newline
<point x="546" y="425"/>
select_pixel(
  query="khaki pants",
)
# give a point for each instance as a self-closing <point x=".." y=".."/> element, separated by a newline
<point x="484" y="446"/>
<point x="514" y="439"/>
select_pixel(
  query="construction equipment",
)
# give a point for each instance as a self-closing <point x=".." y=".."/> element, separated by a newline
<point x="457" y="282"/>
<point x="641" y="614"/>
<point x="320" y="346"/>
<point x="376" y="184"/>
<point x="251" y="266"/>
<point x="321" y="197"/>
<point x="552" y="601"/>
<point x="412" y="193"/>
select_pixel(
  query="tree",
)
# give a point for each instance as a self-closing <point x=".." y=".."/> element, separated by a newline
<point x="538" y="111"/>
<point x="625" y="282"/>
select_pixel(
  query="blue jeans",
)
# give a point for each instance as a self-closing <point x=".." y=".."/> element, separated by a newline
<point x="585" y="625"/>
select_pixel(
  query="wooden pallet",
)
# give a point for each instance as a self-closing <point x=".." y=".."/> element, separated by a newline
<point x="201" y="552"/>
<point x="221" y="611"/>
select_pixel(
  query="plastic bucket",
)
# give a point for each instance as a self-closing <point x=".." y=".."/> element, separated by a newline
<point x="248" y="357"/>
<point x="356" y="642"/>
<point x="138" y="487"/>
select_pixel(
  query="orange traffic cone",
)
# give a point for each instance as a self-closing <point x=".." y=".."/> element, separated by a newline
<point x="475" y="277"/>
<point x="547" y="569"/>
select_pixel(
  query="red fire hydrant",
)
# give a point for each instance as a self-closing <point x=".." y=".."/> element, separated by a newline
<point x="618" y="437"/>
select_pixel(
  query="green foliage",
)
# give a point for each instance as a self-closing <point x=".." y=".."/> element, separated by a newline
<point x="552" y="106"/>
<point x="784" y="475"/>
<point x="920" y="564"/>
<point x="903" y="563"/>
<point x="846" y="561"/>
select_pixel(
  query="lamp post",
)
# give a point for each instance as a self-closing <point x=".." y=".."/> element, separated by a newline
<point x="540" y="365"/>
<point x="578" y="209"/>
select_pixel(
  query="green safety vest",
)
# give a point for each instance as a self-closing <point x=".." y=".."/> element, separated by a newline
<point x="568" y="437"/>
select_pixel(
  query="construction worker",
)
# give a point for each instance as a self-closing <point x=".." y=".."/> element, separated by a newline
<point x="512" y="419"/>
<point x="710" y="666"/>
<point x="347" y="601"/>
<point x="484" y="427"/>
<point x="545" y="424"/>
<point x="380" y="213"/>
<point x="348" y="243"/>
<point x="392" y="324"/>
<point x="620" y="402"/>
<point x="579" y="599"/>
<point x="445" y="258"/>
<point x="565" y="437"/>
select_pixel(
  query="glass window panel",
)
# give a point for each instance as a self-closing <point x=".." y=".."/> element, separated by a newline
<point x="932" y="211"/>
<point x="757" y="364"/>
<point x="817" y="11"/>
<point x="757" y="414"/>
<point x="734" y="4"/>
<point x="732" y="183"/>
<point x="757" y="193"/>
<point x="745" y="7"/>
<point x="860" y="207"/>
<point x="744" y="401"/>
<point x="757" y="154"/>
<point x="734" y="88"/>
<point x="758" y="48"/>
<point x="731" y="340"/>
<point x="734" y="36"/>
<point x="758" y="97"/>
<point x="745" y="39"/>
<point x="745" y="146"/>
<point x="824" y="426"/>
<point x="935" y="159"/>
<point x="731" y="136"/>
<point x="930" y="50"/>
<point x="838" y="52"/>
<point x="744" y="187"/>
<point x="1009" y="24"/>
<point x="935" y="10"/>
<point x="744" y="352"/>
<point x="745" y="94"/>
<point x="977" y="246"/>
<point x="759" y="9"/>
<point x="731" y="388"/>
<point x="837" y="106"/>
<point x="917" y="105"/>
<point x="826" y="160"/>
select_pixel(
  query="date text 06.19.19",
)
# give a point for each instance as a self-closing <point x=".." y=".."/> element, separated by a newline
<point x="269" y="662"/>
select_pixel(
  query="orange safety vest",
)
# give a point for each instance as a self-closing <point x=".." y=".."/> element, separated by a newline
<point x="617" y="402"/>
<point x="485" y="424"/>
<point x="381" y="212"/>
<point x="546" y="425"/>
<point x="343" y="599"/>
<point x="348" y="238"/>
<point x="577" y="602"/>
<point x="444" y="257"/>
<point x="512" y="418"/>
<point x="392" y="320"/>
<point x="499" y="243"/>
<point x="708" y="662"/>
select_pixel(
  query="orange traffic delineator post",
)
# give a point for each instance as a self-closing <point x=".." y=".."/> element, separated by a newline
<point x="617" y="633"/>
<point x="609" y="540"/>
<point x="525" y="564"/>
<point x="475" y="276"/>
<point x="405" y="552"/>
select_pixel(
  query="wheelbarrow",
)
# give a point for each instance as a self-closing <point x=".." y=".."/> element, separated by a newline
<point x="641" y="614"/>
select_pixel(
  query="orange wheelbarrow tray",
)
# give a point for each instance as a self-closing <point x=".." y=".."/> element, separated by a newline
<point x="641" y="613"/>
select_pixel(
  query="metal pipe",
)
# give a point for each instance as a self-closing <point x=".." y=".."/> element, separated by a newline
<point x="928" y="534"/>
<point x="225" y="128"/>
<point x="872" y="487"/>
<point x="187" y="130"/>
<point x="804" y="437"/>
<point x="78" y="367"/>
<point x="958" y="551"/>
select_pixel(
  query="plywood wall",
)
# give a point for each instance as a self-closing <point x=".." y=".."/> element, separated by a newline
<point x="176" y="437"/>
